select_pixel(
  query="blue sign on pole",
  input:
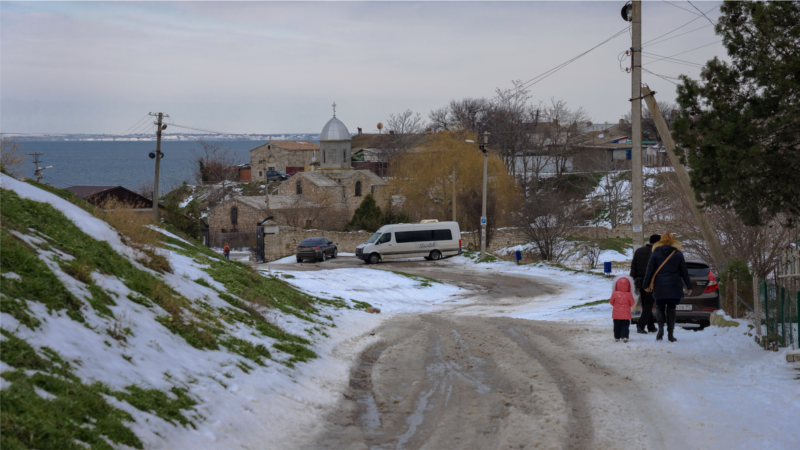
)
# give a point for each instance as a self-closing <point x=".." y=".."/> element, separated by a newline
<point x="518" y="255"/>
<point x="607" y="267"/>
<point x="483" y="220"/>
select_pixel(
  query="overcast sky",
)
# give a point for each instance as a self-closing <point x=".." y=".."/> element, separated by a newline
<point x="275" y="67"/>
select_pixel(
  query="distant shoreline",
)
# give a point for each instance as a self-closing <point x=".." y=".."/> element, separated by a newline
<point x="164" y="137"/>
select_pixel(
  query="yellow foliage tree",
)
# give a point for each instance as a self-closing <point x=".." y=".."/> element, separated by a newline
<point x="422" y="178"/>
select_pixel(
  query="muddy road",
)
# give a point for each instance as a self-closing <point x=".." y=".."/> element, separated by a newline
<point x="469" y="378"/>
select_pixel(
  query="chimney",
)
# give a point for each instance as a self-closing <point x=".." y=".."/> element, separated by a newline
<point x="359" y="131"/>
<point x="391" y="131"/>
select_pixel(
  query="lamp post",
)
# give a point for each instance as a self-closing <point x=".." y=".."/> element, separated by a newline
<point x="484" y="149"/>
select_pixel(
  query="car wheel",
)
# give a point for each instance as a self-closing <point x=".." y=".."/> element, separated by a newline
<point x="335" y="253"/>
<point x="299" y="260"/>
<point x="324" y="257"/>
<point x="374" y="258"/>
<point x="435" y="255"/>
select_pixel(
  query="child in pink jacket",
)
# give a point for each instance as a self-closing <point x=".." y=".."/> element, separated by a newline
<point x="622" y="300"/>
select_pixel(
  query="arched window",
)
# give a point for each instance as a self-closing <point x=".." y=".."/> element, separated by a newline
<point x="234" y="216"/>
<point x="299" y="187"/>
<point x="358" y="189"/>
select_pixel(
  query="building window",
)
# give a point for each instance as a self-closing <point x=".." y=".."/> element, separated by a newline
<point x="234" y="216"/>
<point x="259" y="173"/>
<point x="269" y="147"/>
<point x="299" y="187"/>
<point x="272" y="169"/>
<point x="324" y="154"/>
<point x="344" y="156"/>
<point x="358" y="189"/>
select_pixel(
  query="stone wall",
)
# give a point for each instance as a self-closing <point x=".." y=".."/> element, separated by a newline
<point x="285" y="242"/>
<point x="271" y="155"/>
<point x="219" y="218"/>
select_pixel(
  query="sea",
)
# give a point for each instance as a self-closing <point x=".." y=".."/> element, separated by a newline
<point x="122" y="163"/>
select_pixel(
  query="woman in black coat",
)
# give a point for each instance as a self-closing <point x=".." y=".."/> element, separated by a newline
<point x="671" y="284"/>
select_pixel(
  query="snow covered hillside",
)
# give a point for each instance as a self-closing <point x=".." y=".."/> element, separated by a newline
<point x="104" y="344"/>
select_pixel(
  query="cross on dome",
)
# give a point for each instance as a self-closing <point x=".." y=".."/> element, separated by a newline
<point x="334" y="109"/>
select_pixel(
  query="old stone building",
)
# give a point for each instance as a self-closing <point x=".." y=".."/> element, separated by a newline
<point x="239" y="214"/>
<point x="280" y="155"/>
<point x="334" y="184"/>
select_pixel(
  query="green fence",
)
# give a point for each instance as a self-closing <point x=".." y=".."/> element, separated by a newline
<point x="778" y="309"/>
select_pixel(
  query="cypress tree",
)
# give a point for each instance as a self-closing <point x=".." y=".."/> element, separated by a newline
<point x="368" y="216"/>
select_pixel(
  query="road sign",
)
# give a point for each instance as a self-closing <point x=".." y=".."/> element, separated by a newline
<point x="483" y="221"/>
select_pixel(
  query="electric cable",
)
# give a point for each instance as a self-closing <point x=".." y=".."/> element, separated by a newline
<point x="678" y="28"/>
<point x="663" y="77"/>
<point x="138" y="122"/>
<point x="681" y="7"/>
<point x="555" y="69"/>
<point x="701" y="12"/>
<point x="675" y="60"/>
<point x="687" y="51"/>
<point x="677" y="35"/>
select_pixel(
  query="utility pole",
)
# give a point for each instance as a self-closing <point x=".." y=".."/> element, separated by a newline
<point x="637" y="213"/>
<point x="682" y="175"/>
<point x="484" y="149"/>
<point x="37" y="172"/>
<point x="158" y="155"/>
<point x="454" y="193"/>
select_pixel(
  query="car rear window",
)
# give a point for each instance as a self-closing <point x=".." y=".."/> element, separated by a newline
<point x="697" y="270"/>
<point x="310" y="241"/>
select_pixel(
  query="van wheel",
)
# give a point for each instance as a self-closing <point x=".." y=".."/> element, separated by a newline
<point x="436" y="255"/>
<point x="374" y="258"/>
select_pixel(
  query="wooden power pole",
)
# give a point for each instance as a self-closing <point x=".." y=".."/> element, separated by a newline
<point x="682" y="175"/>
<point x="454" y="193"/>
<point x="484" y="220"/>
<point x="637" y="201"/>
<point x="158" y="156"/>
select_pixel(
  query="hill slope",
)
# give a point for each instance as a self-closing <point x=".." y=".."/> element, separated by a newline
<point x="105" y="344"/>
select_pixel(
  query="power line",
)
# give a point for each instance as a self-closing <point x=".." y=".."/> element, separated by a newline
<point x="138" y="122"/>
<point x="687" y="51"/>
<point x="701" y="12"/>
<point x="676" y="29"/>
<point x="207" y="131"/>
<point x="678" y="35"/>
<point x="681" y="7"/>
<point x="675" y="60"/>
<point x="555" y="69"/>
<point x="663" y="77"/>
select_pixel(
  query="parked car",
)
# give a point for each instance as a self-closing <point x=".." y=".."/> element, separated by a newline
<point x="316" y="248"/>
<point x="277" y="175"/>
<point x="432" y="240"/>
<point x="697" y="307"/>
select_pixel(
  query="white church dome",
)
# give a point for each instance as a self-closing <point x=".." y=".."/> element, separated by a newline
<point x="334" y="130"/>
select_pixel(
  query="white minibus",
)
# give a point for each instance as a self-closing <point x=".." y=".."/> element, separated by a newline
<point x="429" y="239"/>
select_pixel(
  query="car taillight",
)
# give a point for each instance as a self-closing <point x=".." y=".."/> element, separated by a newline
<point x="459" y="243"/>
<point x="299" y="248"/>
<point x="712" y="283"/>
<point x="708" y="309"/>
<point x="317" y="247"/>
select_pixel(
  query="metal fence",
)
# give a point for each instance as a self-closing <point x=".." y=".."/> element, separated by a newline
<point x="777" y="309"/>
<point x="237" y="240"/>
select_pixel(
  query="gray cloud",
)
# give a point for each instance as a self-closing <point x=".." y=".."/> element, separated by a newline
<point x="276" y="67"/>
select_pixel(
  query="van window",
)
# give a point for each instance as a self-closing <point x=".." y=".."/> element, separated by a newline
<point x="385" y="238"/>
<point x="442" y="235"/>
<point x="374" y="238"/>
<point x="414" y="236"/>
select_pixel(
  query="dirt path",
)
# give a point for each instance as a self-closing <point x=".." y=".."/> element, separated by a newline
<point x="457" y="379"/>
<point x="440" y="382"/>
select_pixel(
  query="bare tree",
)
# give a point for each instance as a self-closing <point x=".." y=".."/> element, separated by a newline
<point x="407" y="122"/>
<point x="10" y="158"/>
<point x="146" y="189"/>
<point x="468" y="114"/>
<point x="440" y="119"/>
<point x="649" y="129"/>
<point x="406" y="130"/>
<point x="562" y="133"/>
<point x="211" y="163"/>
<point x="590" y="251"/>
<point x="547" y="217"/>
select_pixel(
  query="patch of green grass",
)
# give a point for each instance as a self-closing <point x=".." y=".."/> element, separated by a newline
<point x="595" y="303"/>
<point x="159" y="403"/>
<point x="202" y="282"/>
<point x="424" y="281"/>
<point x="360" y="305"/>
<point x="476" y="255"/>
<point x="252" y="352"/>
<point x="287" y="276"/>
<point x="298" y="352"/>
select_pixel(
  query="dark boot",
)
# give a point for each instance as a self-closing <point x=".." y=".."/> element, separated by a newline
<point x="671" y="324"/>
<point x="660" y="318"/>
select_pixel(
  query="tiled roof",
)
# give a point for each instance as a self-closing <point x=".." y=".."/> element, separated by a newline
<point x="256" y="201"/>
<point x="316" y="178"/>
<point x="289" y="201"/>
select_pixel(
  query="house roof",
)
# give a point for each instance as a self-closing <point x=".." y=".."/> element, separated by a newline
<point x="360" y="141"/>
<point x="84" y="191"/>
<point x="289" y="201"/>
<point x="256" y="201"/>
<point x="316" y="178"/>
<point x="374" y="179"/>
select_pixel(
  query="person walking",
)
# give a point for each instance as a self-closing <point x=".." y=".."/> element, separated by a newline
<point x="668" y="279"/>
<point x="622" y="301"/>
<point x="226" y="251"/>
<point x="638" y="270"/>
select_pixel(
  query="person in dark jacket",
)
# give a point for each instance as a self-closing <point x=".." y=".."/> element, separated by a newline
<point x="638" y="270"/>
<point x="670" y="284"/>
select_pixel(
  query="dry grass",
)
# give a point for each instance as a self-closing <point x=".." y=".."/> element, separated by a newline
<point x="133" y="226"/>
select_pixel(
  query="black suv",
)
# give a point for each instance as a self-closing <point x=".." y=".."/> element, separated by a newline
<point x="316" y="249"/>
<point x="277" y="175"/>
<point x="697" y="307"/>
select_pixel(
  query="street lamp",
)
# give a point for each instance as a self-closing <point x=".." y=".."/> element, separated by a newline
<point x="483" y="148"/>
